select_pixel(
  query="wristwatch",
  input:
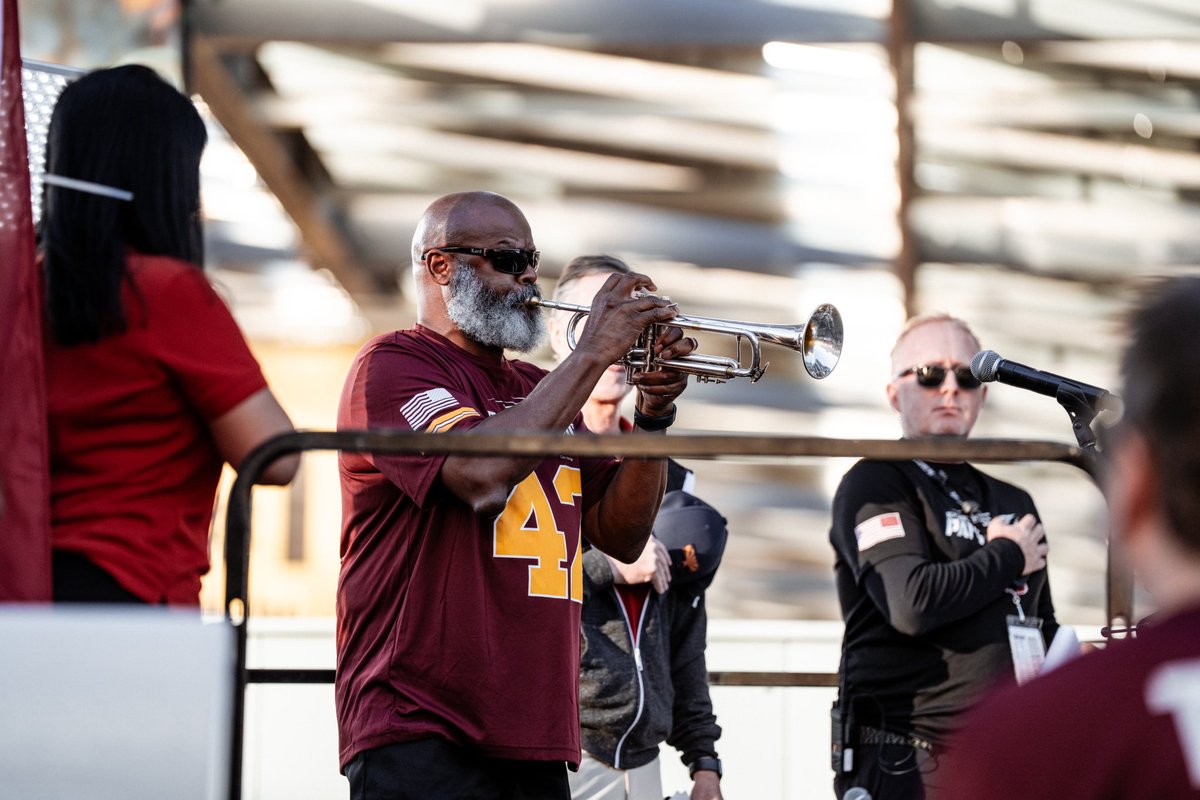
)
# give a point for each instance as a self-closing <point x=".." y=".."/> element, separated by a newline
<point x="704" y="762"/>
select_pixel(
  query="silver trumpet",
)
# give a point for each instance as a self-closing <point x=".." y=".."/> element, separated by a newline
<point x="819" y="340"/>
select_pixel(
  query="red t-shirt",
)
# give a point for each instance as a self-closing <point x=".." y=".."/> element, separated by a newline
<point x="449" y="624"/>
<point x="634" y="599"/>
<point x="1120" y="724"/>
<point x="133" y="467"/>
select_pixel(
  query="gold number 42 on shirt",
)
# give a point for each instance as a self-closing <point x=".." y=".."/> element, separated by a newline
<point x="526" y="528"/>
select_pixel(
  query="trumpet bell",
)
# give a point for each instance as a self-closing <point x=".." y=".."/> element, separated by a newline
<point x="822" y="341"/>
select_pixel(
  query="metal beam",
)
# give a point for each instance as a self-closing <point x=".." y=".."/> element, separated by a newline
<point x="686" y="21"/>
<point x="900" y="54"/>
<point x="324" y="244"/>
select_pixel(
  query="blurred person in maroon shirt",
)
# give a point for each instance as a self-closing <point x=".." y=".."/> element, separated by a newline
<point x="1122" y="723"/>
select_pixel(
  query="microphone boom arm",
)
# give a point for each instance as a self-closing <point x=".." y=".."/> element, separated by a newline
<point x="1082" y="413"/>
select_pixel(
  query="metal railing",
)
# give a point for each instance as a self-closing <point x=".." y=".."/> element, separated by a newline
<point x="1119" y="589"/>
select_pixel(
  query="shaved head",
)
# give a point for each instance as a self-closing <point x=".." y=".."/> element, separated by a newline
<point x="456" y="218"/>
<point x="900" y="357"/>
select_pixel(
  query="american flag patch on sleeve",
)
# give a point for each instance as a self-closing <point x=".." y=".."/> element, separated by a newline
<point x="879" y="528"/>
<point x="420" y="410"/>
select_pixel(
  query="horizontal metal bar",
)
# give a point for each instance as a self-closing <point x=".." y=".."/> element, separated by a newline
<point x="289" y="676"/>
<point x="325" y="676"/>
<point x="773" y="679"/>
<point x="680" y="446"/>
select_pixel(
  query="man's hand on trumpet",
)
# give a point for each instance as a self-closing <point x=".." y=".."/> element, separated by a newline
<point x="657" y="390"/>
<point x="620" y="312"/>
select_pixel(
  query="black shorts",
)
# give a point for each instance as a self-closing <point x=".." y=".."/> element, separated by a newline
<point x="435" y="769"/>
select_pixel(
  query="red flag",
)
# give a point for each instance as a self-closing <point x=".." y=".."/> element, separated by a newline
<point x="24" y="456"/>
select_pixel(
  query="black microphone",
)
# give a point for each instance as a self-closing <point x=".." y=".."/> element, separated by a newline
<point x="987" y="366"/>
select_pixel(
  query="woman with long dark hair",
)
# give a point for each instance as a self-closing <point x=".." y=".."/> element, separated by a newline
<point x="150" y="384"/>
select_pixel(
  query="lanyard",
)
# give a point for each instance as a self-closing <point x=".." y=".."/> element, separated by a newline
<point x="1016" y="598"/>
<point x="969" y="507"/>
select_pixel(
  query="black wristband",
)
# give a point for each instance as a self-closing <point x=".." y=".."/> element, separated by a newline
<point x="704" y="762"/>
<point x="654" y="423"/>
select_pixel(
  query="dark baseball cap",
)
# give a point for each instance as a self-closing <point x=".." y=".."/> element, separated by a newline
<point x="694" y="534"/>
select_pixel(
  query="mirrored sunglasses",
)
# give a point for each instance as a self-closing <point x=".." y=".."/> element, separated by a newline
<point x="931" y="376"/>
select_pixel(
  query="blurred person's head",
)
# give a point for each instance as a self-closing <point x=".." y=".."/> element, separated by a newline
<point x="694" y="535"/>
<point x="482" y="296"/>
<point x="932" y="387"/>
<point x="581" y="279"/>
<point x="1154" y="478"/>
<point x="127" y="129"/>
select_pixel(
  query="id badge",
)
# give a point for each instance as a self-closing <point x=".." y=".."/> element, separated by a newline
<point x="1028" y="648"/>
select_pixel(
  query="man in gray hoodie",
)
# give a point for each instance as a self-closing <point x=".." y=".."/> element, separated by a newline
<point x="643" y="676"/>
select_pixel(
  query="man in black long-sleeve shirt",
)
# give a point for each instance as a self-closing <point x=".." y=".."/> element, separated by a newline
<point x="932" y="560"/>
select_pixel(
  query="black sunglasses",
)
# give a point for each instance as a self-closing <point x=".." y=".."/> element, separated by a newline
<point x="931" y="376"/>
<point x="512" y="262"/>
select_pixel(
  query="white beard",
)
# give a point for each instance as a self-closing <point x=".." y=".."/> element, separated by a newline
<point x="492" y="319"/>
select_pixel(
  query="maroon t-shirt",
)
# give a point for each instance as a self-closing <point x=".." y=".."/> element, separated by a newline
<point x="133" y="464"/>
<point x="449" y="624"/>
<point x="1122" y="724"/>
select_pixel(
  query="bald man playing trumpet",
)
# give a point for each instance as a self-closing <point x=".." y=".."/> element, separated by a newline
<point x="458" y="609"/>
